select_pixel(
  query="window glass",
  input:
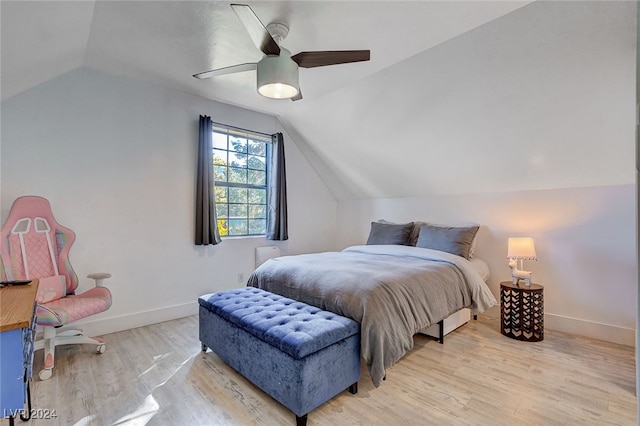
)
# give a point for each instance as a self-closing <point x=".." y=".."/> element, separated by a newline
<point x="240" y="173"/>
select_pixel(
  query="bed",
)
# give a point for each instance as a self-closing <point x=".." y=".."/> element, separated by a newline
<point x="393" y="290"/>
<point x="459" y="318"/>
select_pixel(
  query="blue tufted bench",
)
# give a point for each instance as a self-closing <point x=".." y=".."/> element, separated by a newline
<point x="299" y="354"/>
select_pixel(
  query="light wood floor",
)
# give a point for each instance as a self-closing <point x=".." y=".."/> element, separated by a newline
<point x="157" y="375"/>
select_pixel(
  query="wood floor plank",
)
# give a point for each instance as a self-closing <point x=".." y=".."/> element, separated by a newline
<point x="157" y="375"/>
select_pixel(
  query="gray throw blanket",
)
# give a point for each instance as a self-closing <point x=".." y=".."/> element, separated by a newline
<point x="392" y="291"/>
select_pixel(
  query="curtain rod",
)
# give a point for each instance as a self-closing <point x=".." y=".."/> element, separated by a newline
<point x="240" y="128"/>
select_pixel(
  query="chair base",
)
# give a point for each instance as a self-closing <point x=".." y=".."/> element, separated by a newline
<point x="69" y="336"/>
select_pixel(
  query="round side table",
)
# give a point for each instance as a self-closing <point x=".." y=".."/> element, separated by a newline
<point x="522" y="311"/>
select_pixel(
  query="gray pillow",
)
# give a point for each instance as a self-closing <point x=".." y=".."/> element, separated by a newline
<point x="454" y="240"/>
<point x="415" y="233"/>
<point x="389" y="233"/>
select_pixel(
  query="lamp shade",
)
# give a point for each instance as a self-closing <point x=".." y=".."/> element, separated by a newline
<point x="278" y="76"/>
<point x="521" y="248"/>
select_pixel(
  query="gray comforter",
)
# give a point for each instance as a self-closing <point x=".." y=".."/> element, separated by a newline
<point x="392" y="291"/>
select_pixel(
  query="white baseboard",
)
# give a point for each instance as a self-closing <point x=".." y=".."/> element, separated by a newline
<point x="595" y="330"/>
<point x="100" y="327"/>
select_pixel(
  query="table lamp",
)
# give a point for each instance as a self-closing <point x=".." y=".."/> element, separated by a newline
<point x="518" y="250"/>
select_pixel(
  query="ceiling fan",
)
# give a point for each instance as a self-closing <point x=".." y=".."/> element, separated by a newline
<point x="277" y="71"/>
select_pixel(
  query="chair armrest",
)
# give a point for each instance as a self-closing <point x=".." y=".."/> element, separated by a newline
<point x="99" y="277"/>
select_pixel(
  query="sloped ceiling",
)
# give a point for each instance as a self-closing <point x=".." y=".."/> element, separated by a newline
<point x="167" y="42"/>
<point x="422" y="117"/>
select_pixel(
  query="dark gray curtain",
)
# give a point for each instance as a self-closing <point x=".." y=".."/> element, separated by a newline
<point x="206" y="221"/>
<point x="277" y="190"/>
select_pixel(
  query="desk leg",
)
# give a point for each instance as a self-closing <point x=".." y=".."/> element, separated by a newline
<point x="28" y="416"/>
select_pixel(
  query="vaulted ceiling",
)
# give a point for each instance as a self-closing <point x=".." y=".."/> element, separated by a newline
<point x="166" y="42"/>
<point x="359" y="124"/>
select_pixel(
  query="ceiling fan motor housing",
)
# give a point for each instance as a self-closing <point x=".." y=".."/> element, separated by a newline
<point x="278" y="76"/>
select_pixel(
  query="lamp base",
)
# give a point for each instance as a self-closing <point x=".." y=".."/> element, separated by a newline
<point x="517" y="274"/>
<point x="527" y="281"/>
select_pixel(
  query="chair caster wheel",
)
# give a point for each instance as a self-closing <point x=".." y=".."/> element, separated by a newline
<point x="101" y="348"/>
<point x="45" y="374"/>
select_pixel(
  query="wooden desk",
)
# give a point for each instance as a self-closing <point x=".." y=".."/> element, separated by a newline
<point x="16" y="305"/>
<point x="17" y="327"/>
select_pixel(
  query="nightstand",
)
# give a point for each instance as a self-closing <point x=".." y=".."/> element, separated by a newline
<point x="522" y="311"/>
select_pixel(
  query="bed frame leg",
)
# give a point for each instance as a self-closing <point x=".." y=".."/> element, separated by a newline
<point x="441" y="328"/>
<point x="301" y="420"/>
<point x="475" y="317"/>
<point x="203" y="347"/>
<point x="354" y="388"/>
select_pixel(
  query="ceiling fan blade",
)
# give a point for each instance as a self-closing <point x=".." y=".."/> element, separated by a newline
<point x="330" y="57"/>
<point x="298" y="96"/>
<point x="257" y="31"/>
<point x="227" y="70"/>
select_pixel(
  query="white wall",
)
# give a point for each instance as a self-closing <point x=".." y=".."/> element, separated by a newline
<point x="116" y="158"/>
<point x="540" y="98"/>
<point x="585" y="240"/>
<point x="530" y="121"/>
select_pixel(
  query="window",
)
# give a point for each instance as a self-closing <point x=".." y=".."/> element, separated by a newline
<point x="240" y="173"/>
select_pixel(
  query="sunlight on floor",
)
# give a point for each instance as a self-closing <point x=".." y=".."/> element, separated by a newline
<point x="155" y="363"/>
<point x="145" y="412"/>
<point x="182" y="364"/>
<point x="142" y="414"/>
<point x="85" y="420"/>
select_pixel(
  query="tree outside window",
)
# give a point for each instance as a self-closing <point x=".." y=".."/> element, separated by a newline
<point x="240" y="173"/>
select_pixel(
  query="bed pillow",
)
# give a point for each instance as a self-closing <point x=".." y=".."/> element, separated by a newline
<point x="454" y="240"/>
<point x="415" y="232"/>
<point x="413" y="239"/>
<point x="389" y="233"/>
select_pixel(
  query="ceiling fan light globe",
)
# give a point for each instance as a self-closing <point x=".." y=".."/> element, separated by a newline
<point x="278" y="91"/>
<point x="278" y="76"/>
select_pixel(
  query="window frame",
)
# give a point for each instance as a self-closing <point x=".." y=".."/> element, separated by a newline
<point x="250" y="137"/>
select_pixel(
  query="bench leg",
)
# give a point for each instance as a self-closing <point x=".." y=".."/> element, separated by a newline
<point x="301" y="420"/>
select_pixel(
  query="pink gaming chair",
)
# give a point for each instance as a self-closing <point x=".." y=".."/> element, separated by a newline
<point x="33" y="245"/>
